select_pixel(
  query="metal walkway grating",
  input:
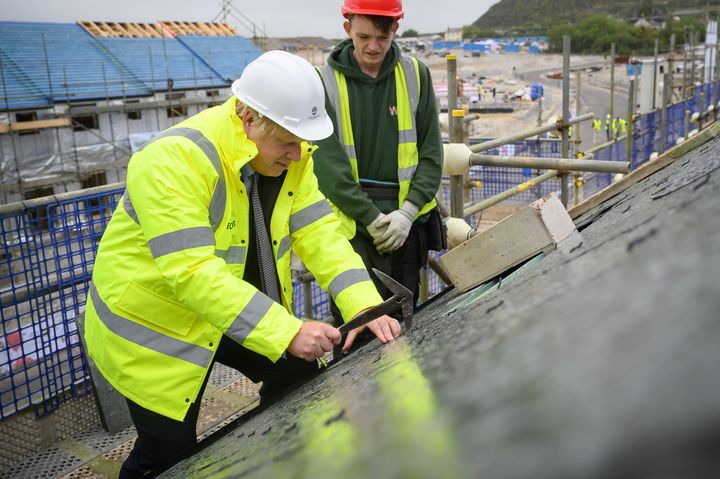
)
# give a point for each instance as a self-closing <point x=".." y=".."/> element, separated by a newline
<point x="88" y="451"/>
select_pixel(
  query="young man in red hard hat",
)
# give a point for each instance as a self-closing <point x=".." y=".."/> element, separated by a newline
<point x="382" y="167"/>
<point x="194" y="266"/>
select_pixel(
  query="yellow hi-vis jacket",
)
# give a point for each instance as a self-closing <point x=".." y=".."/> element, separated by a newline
<point x="167" y="282"/>
<point x="407" y="81"/>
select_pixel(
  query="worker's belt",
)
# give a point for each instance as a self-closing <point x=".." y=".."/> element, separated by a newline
<point x="380" y="191"/>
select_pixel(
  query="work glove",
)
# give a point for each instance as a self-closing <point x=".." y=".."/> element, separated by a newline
<point x="458" y="231"/>
<point x="397" y="227"/>
<point x="377" y="228"/>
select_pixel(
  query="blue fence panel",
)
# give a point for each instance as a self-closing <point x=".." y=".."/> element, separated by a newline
<point x="48" y="253"/>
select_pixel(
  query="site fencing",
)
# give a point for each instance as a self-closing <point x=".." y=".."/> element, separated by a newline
<point x="648" y="138"/>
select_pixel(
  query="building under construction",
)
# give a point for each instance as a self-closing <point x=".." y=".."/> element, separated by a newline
<point x="78" y="99"/>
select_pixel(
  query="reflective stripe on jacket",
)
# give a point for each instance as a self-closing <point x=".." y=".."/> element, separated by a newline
<point x="167" y="278"/>
<point x="407" y="84"/>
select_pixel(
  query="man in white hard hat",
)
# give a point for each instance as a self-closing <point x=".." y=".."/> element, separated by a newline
<point x="194" y="266"/>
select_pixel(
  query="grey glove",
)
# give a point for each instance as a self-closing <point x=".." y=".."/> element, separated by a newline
<point x="397" y="227"/>
<point x="376" y="228"/>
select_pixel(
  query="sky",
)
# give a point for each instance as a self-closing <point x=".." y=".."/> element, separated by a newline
<point x="279" y="18"/>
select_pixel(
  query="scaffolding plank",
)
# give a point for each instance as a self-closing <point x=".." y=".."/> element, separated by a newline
<point x="35" y="125"/>
<point x="536" y="228"/>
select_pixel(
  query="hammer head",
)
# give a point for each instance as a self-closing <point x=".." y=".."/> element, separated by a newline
<point x="401" y="294"/>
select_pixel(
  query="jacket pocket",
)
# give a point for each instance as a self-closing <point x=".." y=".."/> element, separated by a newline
<point x="156" y="310"/>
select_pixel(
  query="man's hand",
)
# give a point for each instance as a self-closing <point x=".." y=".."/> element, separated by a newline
<point x="314" y="340"/>
<point x="398" y="224"/>
<point x="377" y="227"/>
<point x="385" y="328"/>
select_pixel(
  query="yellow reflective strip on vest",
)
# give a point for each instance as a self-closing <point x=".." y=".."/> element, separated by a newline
<point x="232" y="255"/>
<point x="149" y="338"/>
<point x="408" y="97"/>
<point x="129" y="208"/>
<point x="195" y="237"/>
<point x="309" y="215"/>
<point x="349" y="139"/>
<point x="217" y="203"/>
<point x="249" y="317"/>
<point x="346" y="279"/>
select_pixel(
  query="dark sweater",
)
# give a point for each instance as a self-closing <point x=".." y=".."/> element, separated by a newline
<point x="375" y="130"/>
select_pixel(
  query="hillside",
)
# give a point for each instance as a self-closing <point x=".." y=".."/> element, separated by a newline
<point x="507" y="14"/>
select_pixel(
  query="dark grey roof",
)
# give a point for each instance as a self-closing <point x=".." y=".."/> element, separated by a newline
<point x="600" y="360"/>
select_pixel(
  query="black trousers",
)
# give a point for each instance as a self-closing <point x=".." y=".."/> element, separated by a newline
<point x="161" y="439"/>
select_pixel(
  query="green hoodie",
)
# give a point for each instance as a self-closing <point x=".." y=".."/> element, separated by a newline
<point x="375" y="130"/>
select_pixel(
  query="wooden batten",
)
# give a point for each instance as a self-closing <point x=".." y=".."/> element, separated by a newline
<point x="163" y="28"/>
<point x="35" y="125"/>
<point x="536" y="228"/>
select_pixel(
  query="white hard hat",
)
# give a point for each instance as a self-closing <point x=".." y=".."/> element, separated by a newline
<point x="288" y="90"/>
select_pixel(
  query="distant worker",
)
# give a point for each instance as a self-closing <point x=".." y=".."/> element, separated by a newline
<point x="623" y="125"/>
<point x="597" y="127"/>
<point x="382" y="168"/>
<point x="194" y="266"/>
<point x="608" y="128"/>
<point x="614" y="127"/>
<point x="460" y="88"/>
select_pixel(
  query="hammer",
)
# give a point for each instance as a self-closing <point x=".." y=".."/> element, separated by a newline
<point x="402" y="299"/>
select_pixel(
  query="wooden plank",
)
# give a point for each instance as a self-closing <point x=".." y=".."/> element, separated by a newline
<point x="554" y="216"/>
<point x="227" y="29"/>
<point x="221" y="30"/>
<point x="88" y="26"/>
<point x="133" y="31"/>
<point x="150" y="30"/>
<point x="206" y="30"/>
<point x="175" y="28"/>
<point x="645" y="170"/>
<point x="536" y="228"/>
<point x="507" y="244"/>
<point x="230" y="29"/>
<point x="197" y="28"/>
<point x="35" y="125"/>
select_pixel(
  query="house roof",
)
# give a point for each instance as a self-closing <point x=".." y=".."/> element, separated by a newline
<point x="45" y="63"/>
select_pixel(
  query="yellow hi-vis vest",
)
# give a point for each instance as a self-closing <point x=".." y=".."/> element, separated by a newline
<point x="407" y="91"/>
<point x="167" y="281"/>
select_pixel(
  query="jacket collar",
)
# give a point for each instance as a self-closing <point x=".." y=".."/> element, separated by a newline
<point x="236" y="146"/>
<point x="240" y="149"/>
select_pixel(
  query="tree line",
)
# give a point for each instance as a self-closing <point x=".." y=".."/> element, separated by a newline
<point x="594" y="34"/>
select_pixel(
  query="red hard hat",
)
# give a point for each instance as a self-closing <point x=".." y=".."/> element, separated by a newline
<point x="383" y="8"/>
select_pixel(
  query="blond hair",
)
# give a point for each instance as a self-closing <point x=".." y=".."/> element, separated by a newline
<point x="265" y="126"/>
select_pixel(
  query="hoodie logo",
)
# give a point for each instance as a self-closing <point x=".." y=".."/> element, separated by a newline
<point x="393" y="110"/>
